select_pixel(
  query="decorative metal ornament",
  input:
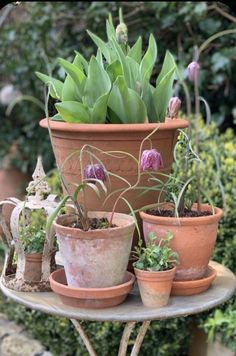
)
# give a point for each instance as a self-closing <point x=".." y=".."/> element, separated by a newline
<point x="13" y="275"/>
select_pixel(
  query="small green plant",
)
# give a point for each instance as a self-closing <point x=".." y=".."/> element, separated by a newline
<point x="33" y="234"/>
<point x="156" y="257"/>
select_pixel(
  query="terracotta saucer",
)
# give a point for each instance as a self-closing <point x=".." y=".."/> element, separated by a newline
<point x="194" y="287"/>
<point x="93" y="298"/>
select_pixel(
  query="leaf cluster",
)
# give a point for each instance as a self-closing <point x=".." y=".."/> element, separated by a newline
<point x="32" y="233"/>
<point x="155" y="256"/>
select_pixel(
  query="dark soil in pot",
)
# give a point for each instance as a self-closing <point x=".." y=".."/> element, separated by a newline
<point x="94" y="224"/>
<point x="187" y="213"/>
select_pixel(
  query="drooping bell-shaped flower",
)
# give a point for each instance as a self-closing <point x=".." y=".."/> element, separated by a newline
<point x="193" y="70"/>
<point x="122" y="33"/>
<point x="95" y="171"/>
<point x="174" y="106"/>
<point x="151" y="160"/>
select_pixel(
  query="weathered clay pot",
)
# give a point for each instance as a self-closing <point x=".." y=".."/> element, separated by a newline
<point x="69" y="137"/>
<point x="95" y="258"/>
<point x="155" y="287"/>
<point x="33" y="267"/>
<point x="94" y="298"/>
<point x="194" y="240"/>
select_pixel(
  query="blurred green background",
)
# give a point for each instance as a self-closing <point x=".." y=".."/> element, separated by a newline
<point x="32" y="36"/>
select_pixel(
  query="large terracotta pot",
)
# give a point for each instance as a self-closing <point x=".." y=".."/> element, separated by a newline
<point x="194" y="240"/>
<point x="155" y="286"/>
<point x="68" y="138"/>
<point x="95" y="258"/>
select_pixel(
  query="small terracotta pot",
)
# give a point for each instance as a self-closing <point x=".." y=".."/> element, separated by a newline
<point x="155" y="287"/>
<point x="194" y="239"/>
<point x="33" y="267"/>
<point x="95" y="258"/>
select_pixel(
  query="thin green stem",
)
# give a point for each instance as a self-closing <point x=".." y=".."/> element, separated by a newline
<point x="212" y="38"/>
<point x="139" y="174"/>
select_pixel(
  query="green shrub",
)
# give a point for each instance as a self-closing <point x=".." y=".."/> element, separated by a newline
<point x="35" y="34"/>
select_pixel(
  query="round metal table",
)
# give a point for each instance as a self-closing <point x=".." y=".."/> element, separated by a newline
<point x="132" y="310"/>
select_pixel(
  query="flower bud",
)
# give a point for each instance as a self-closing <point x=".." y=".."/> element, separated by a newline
<point x="174" y="106"/>
<point x="122" y="33"/>
<point x="95" y="171"/>
<point x="151" y="159"/>
<point x="193" y="71"/>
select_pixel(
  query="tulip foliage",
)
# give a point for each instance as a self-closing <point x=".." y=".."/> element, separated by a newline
<point x="113" y="86"/>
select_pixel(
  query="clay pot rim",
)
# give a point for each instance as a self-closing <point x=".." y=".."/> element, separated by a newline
<point x="186" y="221"/>
<point x="35" y="256"/>
<point x="144" y="274"/>
<point x="169" y="124"/>
<point x="98" y="293"/>
<point x="196" y="283"/>
<point x="92" y="233"/>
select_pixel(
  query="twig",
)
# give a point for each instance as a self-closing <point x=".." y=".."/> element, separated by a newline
<point x="223" y="13"/>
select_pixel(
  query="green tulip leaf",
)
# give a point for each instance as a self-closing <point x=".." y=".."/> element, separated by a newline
<point x="70" y="90"/>
<point x="162" y="94"/>
<point x="135" y="52"/>
<point x="111" y="31"/>
<point x="55" y="85"/>
<point x="124" y="64"/>
<point x="114" y="70"/>
<point x="76" y="74"/>
<point x="149" y="59"/>
<point x="72" y="111"/>
<point x="97" y="84"/>
<point x="81" y="62"/>
<point x="126" y="103"/>
<point x="100" y="44"/>
<point x="99" y="111"/>
<point x="168" y="65"/>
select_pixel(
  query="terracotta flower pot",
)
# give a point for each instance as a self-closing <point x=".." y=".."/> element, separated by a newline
<point x="155" y="287"/>
<point x="194" y="240"/>
<point x="69" y="137"/>
<point x="95" y="258"/>
<point x="33" y="267"/>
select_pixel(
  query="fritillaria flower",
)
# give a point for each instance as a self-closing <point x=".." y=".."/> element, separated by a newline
<point x="193" y="70"/>
<point x="151" y="159"/>
<point x="95" y="171"/>
<point x="174" y="106"/>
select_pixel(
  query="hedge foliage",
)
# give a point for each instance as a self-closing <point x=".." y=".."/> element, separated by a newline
<point x="35" y="34"/>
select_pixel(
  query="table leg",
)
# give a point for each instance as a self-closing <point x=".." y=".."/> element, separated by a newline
<point x="139" y="339"/>
<point x="84" y="337"/>
<point x="125" y="338"/>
